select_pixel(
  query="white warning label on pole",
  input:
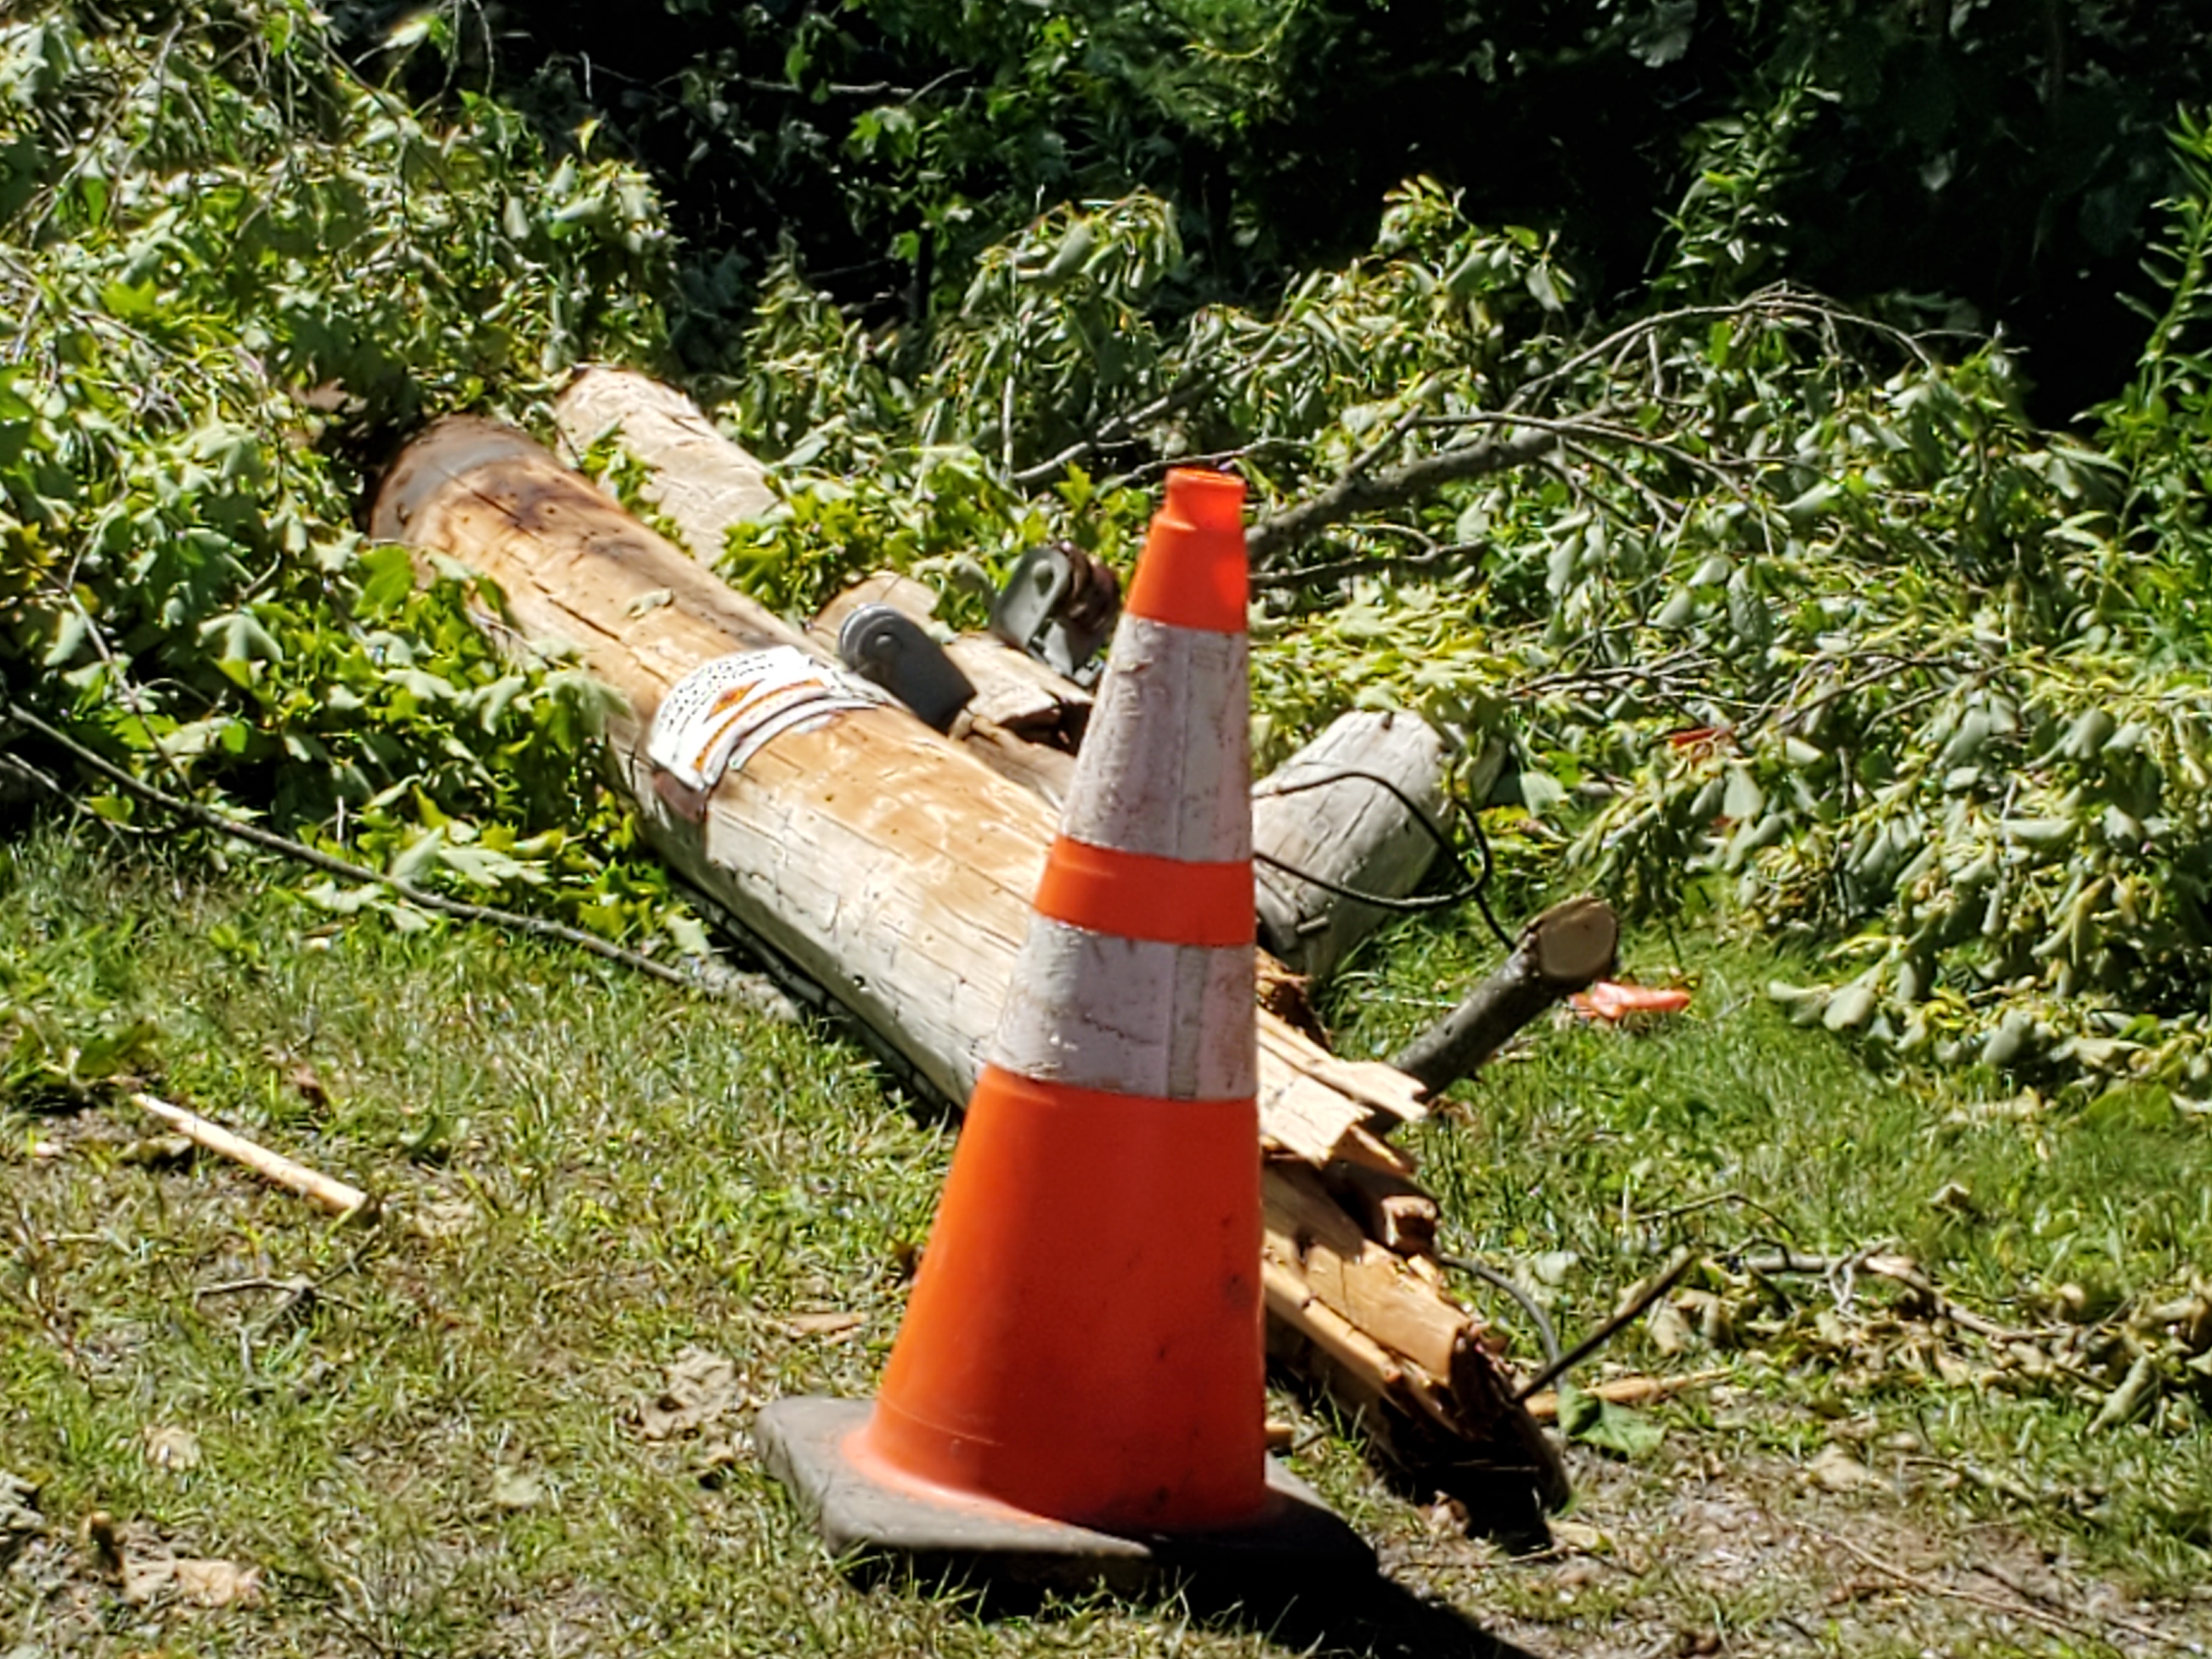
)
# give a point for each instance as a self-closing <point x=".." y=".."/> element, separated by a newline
<point x="718" y="716"/>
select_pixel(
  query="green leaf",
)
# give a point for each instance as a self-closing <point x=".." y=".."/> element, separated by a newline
<point x="130" y="302"/>
<point x="1597" y="1422"/>
<point x="387" y="577"/>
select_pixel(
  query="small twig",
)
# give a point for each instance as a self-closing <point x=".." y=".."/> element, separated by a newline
<point x="2021" y="1608"/>
<point x="1377" y="564"/>
<point x="15" y="767"/>
<point x="1217" y="459"/>
<point x="1411" y="417"/>
<point x="2021" y="1587"/>
<point x="1676" y="1211"/>
<point x="88" y="153"/>
<point x="1778" y="303"/>
<point x="1354" y="493"/>
<point x="834" y="89"/>
<point x="1117" y="430"/>
<point x="130" y="693"/>
<point x="1899" y="1270"/>
<point x="1626" y="1391"/>
<point x="1622" y="1317"/>
<point x="339" y="1198"/>
<point x="1664" y="513"/>
<point x="1595" y="426"/>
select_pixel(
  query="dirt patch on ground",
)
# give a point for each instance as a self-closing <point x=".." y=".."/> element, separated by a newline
<point x="1693" y="1554"/>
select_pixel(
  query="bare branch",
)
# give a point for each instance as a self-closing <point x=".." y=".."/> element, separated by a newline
<point x="1354" y="493"/>
<point x="1118" y="429"/>
<point x="1780" y="302"/>
<point x="1434" y="555"/>
<point x="1215" y="457"/>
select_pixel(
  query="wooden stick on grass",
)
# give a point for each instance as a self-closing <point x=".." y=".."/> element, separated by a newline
<point x="333" y="1195"/>
<point x="1624" y="1391"/>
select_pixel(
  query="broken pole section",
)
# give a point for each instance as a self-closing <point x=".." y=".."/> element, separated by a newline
<point x="887" y="865"/>
<point x="1351" y="812"/>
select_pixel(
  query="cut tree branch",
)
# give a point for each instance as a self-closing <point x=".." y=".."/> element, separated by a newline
<point x="1567" y="949"/>
<point x="1119" y="429"/>
<point x="1355" y="493"/>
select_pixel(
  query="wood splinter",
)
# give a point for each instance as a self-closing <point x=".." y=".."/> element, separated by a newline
<point x="1544" y="1406"/>
<point x="316" y="1188"/>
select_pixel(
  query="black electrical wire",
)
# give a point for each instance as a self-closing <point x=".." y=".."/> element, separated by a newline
<point x="1490" y="1275"/>
<point x="1556" y="1363"/>
<point x="1561" y="1363"/>
<point x="1475" y="884"/>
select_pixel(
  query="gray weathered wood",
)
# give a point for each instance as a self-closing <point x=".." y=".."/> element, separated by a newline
<point x="1316" y="815"/>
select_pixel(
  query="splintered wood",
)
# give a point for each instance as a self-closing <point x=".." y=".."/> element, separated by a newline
<point x="337" y="1196"/>
<point x="891" y="867"/>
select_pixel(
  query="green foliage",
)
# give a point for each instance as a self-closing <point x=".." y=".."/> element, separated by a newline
<point x="1056" y="337"/>
<point x="1600" y="1423"/>
<point x="1045" y="373"/>
<point x="232" y="269"/>
<point x="1761" y="593"/>
<point x="1580" y="1170"/>
<point x="2160" y="426"/>
<point x="1756" y="591"/>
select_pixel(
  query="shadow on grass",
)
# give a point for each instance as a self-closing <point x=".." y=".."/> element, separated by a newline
<point x="1380" y="1618"/>
<point x="1365" y="1616"/>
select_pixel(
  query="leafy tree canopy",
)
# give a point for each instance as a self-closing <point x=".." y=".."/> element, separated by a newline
<point x="223" y="253"/>
<point x="1989" y="163"/>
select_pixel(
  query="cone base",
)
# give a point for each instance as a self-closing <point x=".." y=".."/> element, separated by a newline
<point x="861" y="1507"/>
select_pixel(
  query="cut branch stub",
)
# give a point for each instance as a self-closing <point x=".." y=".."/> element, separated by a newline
<point x="1567" y="949"/>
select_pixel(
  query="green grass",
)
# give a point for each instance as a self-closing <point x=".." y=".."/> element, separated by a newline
<point x="586" y="1174"/>
<point x="1727" y="1129"/>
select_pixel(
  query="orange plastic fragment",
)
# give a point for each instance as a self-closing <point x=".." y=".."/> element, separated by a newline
<point x="1612" y="1002"/>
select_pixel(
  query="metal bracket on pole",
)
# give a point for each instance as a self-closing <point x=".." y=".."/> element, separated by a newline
<point x="888" y="648"/>
<point x="1059" y="606"/>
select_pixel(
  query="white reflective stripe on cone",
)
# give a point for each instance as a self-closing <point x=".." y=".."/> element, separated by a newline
<point x="1130" y="1016"/>
<point x="1172" y="728"/>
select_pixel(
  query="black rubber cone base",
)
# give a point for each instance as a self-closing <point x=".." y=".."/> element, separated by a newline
<point x="1298" y="1542"/>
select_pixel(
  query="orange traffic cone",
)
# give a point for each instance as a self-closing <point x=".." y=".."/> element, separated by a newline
<point x="1080" y="1377"/>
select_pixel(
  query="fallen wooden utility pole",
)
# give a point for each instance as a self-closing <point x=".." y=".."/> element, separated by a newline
<point x="1344" y="811"/>
<point x="697" y="480"/>
<point x="1025" y="720"/>
<point x="887" y="865"/>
